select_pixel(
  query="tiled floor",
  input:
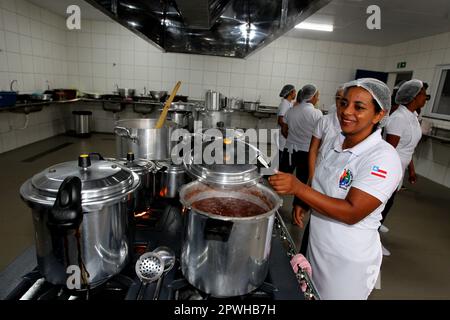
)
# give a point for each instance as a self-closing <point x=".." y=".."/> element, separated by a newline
<point x="419" y="236"/>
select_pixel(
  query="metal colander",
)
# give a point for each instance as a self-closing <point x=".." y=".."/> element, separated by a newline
<point x="149" y="267"/>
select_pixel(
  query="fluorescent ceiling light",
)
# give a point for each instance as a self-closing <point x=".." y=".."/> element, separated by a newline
<point x="315" y="26"/>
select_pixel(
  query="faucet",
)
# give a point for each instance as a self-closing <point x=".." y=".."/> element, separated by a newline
<point x="11" y="85"/>
<point x="117" y="87"/>
<point x="48" y="85"/>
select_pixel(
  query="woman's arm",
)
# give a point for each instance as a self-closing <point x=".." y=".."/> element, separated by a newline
<point x="283" y="125"/>
<point x="393" y="140"/>
<point x="412" y="173"/>
<point x="355" y="207"/>
<point x="313" y="150"/>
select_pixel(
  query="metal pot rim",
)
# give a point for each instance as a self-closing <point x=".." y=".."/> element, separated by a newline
<point x="278" y="204"/>
<point x="29" y="194"/>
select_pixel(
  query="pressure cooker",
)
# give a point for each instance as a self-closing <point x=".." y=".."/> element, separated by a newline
<point x="145" y="169"/>
<point x="82" y="215"/>
<point x="229" y="218"/>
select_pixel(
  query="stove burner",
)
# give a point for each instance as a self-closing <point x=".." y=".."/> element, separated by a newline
<point x="180" y="289"/>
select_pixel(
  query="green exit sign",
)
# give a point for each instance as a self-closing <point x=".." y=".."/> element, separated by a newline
<point x="401" y="65"/>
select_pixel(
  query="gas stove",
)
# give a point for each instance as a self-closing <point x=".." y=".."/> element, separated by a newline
<point x="161" y="226"/>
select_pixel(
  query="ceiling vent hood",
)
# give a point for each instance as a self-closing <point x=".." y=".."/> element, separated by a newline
<point x="228" y="28"/>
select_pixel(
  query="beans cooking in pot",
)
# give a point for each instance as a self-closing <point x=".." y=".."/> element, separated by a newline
<point x="229" y="207"/>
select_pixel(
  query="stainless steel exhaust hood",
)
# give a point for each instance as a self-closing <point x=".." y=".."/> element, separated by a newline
<point x="229" y="28"/>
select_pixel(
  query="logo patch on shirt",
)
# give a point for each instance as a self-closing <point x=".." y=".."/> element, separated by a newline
<point x="346" y="179"/>
<point x="376" y="171"/>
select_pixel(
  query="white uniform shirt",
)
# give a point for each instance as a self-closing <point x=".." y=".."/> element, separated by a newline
<point x="346" y="259"/>
<point x="404" y="123"/>
<point x="327" y="126"/>
<point x="283" y="108"/>
<point x="301" y="121"/>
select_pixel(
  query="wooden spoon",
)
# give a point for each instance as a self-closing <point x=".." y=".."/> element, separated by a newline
<point x="162" y="117"/>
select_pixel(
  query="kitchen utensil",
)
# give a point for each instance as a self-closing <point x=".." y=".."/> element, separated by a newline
<point x="236" y="247"/>
<point x="168" y="102"/>
<point x="251" y="106"/>
<point x="213" y="100"/>
<point x="169" y="179"/>
<point x="105" y="232"/>
<point x="126" y="93"/>
<point x="149" y="268"/>
<point x="145" y="170"/>
<point x="142" y="138"/>
<point x="302" y="276"/>
<point x="93" y="95"/>
<point x="159" y="95"/>
<point x="168" y="257"/>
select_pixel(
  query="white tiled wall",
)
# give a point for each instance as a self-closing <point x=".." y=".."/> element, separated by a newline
<point x="32" y="51"/>
<point x="103" y="54"/>
<point x="432" y="158"/>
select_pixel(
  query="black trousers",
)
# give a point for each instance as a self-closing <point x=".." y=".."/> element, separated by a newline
<point x="297" y="161"/>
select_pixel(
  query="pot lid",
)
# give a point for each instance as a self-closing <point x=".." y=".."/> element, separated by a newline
<point x="102" y="181"/>
<point x="227" y="172"/>
<point x="140" y="166"/>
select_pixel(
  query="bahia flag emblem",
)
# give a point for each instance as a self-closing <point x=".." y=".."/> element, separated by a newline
<point x="376" y="171"/>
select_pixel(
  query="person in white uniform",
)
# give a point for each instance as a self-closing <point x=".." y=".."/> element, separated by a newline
<point x="327" y="127"/>
<point x="288" y="95"/>
<point x="301" y="121"/>
<point x="355" y="175"/>
<point x="403" y="131"/>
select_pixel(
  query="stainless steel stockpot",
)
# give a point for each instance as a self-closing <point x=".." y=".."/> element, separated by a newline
<point x="95" y="237"/>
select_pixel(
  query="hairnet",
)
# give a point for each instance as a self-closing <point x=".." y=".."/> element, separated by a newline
<point x="408" y="91"/>
<point x="308" y="91"/>
<point x="379" y="91"/>
<point x="286" y="90"/>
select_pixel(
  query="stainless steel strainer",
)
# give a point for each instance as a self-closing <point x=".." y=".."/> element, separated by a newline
<point x="149" y="268"/>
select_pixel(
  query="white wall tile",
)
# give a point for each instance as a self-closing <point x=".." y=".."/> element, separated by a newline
<point x="238" y="66"/>
<point x="223" y="79"/>
<point x="182" y="75"/>
<point x="26" y="45"/>
<point x="99" y="40"/>
<point x="210" y="78"/>
<point x="27" y="64"/>
<point x="154" y="73"/>
<point x="14" y="62"/>
<point x="10" y="21"/>
<point x="12" y="41"/>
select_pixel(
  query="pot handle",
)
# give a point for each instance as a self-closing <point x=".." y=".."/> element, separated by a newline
<point x="100" y="157"/>
<point x="218" y="230"/>
<point x="67" y="212"/>
<point x="124" y="132"/>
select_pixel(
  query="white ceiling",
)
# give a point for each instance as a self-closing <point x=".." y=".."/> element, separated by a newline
<point x="401" y="20"/>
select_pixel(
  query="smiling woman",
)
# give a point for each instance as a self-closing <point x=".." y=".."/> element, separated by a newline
<point x="356" y="172"/>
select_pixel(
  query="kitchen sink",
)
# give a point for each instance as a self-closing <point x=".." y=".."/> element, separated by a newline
<point x="27" y="109"/>
<point x="26" y="105"/>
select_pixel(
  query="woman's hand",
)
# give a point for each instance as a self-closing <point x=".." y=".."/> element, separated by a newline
<point x="412" y="175"/>
<point x="298" y="215"/>
<point x="285" y="183"/>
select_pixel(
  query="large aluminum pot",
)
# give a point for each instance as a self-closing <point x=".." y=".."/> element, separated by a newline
<point x="140" y="137"/>
<point x="97" y="242"/>
<point x="213" y="100"/>
<point x="234" y="104"/>
<point x="145" y="169"/>
<point x="169" y="179"/>
<point x="222" y="255"/>
<point x="251" y="106"/>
